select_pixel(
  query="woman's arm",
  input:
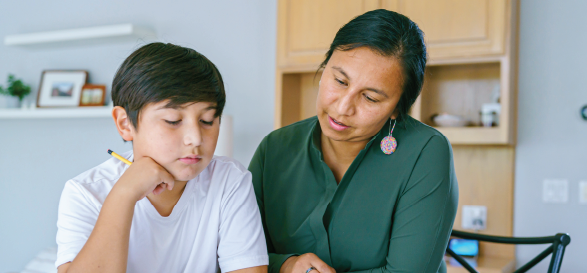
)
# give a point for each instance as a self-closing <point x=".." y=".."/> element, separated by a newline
<point x="279" y="263"/>
<point x="425" y="212"/>
<point x="256" y="269"/>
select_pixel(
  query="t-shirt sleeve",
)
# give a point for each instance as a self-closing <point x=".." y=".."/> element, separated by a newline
<point x="76" y="219"/>
<point x="242" y="241"/>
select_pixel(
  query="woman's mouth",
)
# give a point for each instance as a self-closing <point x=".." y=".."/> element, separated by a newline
<point x="191" y="159"/>
<point x="336" y="125"/>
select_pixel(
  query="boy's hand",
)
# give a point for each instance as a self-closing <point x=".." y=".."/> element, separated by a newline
<point x="143" y="177"/>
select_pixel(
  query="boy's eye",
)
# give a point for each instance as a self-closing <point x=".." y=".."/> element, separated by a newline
<point x="173" y="122"/>
<point x="207" y="122"/>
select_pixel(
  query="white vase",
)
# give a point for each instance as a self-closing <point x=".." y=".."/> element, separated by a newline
<point x="12" y="102"/>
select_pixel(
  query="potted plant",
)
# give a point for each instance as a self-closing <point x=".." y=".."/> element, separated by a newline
<point x="17" y="90"/>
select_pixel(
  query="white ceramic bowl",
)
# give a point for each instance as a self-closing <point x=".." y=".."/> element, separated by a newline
<point x="447" y="120"/>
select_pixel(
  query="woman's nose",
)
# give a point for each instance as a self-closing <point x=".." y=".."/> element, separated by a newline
<point x="346" y="103"/>
<point x="192" y="136"/>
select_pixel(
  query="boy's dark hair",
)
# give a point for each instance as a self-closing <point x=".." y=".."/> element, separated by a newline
<point x="390" y="34"/>
<point x="158" y="71"/>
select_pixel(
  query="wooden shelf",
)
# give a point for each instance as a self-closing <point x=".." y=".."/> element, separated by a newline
<point x="43" y="113"/>
<point x="474" y="135"/>
<point x="78" y="34"/>
<point x="485" y="265"/>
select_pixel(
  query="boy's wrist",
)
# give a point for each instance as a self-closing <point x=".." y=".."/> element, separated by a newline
<point x="123" y="192"/>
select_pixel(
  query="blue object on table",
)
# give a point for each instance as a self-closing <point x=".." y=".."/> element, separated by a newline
<point x="464" y="247"/>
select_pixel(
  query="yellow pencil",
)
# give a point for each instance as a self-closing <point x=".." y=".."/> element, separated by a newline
<point x="112" y="153"/>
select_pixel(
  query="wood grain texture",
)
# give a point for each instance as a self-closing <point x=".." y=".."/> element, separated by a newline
<point x="457" y="28"/>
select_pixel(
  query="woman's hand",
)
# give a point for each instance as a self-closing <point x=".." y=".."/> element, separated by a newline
<point x="143" y="177"/>
<point x="300" y="264"/>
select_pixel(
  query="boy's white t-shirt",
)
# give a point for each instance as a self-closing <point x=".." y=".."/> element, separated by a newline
<point x="215" y="224"/>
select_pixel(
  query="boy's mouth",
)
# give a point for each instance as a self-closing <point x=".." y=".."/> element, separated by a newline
<point x="190" y="159"/>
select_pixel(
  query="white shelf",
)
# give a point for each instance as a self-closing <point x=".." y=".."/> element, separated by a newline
<point x="78" y="34"/>
<point x="44" y="113"/>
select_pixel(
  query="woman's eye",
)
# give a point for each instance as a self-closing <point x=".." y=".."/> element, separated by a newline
<point x="369" y="98"/>
<point x="339" y="81"/>
<point x="173" y="122"/>
<point x="207" y="122"/>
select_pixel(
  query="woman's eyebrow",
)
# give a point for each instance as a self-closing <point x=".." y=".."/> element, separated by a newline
<point x="339" y="69"/>
<point x="377" y="91"/>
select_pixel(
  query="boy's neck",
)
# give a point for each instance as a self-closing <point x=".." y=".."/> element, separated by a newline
<point x="166" y="201"/>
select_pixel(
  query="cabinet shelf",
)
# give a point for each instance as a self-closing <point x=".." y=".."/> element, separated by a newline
<point x="78" y="34"/>
<point x="44" y="113"/>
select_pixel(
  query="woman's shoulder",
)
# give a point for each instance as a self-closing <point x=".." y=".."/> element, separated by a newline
<point x="415" y="130"/>
<point x="293" y="134"/>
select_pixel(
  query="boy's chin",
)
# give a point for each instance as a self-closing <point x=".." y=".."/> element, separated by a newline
<point x="185" y="175"/>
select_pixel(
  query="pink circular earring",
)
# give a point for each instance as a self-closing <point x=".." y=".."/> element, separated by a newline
<point x="388" y="143"/>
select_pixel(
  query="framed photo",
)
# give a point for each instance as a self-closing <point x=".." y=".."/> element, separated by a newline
<point x="61" y="88"/>
<point x="93" y="95"/>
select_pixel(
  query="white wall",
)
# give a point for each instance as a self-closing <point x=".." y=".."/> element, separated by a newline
<point x="552" y="138"/>
<point x="38" y="156"/>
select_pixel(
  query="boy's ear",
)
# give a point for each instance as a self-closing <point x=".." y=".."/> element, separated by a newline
<point x="123" y="124"/>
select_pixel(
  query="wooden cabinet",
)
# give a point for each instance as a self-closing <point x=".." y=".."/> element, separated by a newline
<point x="457" y="28"/>
<point x="472" y="52"/>
<point x="307" y="27"/>
<point x="453" y="28"/>
<point x="470" y="45"/>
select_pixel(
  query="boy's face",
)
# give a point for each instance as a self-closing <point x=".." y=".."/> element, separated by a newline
<point x="182" y="140"/>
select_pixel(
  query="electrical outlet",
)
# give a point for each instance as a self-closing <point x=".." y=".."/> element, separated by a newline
<point x="474" y="217"/>
<point x="583" y="192"/>
<point x="555" y="191"/>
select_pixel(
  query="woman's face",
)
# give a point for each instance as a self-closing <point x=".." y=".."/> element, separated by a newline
<point x="359" y="91"/>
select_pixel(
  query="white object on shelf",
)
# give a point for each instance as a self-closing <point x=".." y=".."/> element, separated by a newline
<point x="224" y="145"/>
<point x="74" y="112"/>
<point x="474" y="217"/>
<point x="447" y="120"/>
<point x="111" y="31"/>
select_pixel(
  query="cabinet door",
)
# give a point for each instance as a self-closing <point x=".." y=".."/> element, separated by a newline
<point x="457" y="28"/>
<point x="306" y="28"/>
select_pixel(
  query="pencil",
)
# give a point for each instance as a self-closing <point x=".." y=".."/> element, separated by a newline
<point x="112" y="153"/>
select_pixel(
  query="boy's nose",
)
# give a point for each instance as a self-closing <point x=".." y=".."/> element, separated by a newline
<point x="193" y="136"/>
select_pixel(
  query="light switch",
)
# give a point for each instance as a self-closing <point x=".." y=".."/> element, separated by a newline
<point x="583" y="192"/>
<point x="555" y="191"/>
<point x="474" y="217"/>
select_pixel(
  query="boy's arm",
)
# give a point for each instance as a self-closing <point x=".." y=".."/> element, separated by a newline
<point x="241" y="239"/>
<point x="106" y="250"/>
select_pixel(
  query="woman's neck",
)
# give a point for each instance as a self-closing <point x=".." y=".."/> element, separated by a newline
<point x="339" y="155"/>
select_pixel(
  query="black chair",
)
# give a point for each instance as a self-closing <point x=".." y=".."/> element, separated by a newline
<point x="558" y="244"/>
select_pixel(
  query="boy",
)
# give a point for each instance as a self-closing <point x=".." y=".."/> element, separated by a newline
<point x="176" y="208"/>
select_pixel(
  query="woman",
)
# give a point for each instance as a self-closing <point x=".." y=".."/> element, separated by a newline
<point x="361" y="186"/>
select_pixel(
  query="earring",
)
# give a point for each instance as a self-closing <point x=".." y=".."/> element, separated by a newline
<point x="388" y="143"/>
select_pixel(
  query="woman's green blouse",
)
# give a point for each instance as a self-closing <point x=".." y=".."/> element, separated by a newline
<point x="389" y="213"/>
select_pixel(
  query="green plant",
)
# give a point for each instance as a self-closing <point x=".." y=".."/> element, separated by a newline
<point x="15" y="88"/>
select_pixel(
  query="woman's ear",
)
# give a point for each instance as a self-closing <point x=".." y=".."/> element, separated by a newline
<point x="395" y="114"/>
<point x="123" y="124"/>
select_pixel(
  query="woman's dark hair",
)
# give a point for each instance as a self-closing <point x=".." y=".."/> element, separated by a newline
<point x="158" y="71"/>
<point x="389" y="34"/>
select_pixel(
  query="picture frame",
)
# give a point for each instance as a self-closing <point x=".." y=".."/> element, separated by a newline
<point x="93" y="95"/>
<point x="61" y="88"/>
